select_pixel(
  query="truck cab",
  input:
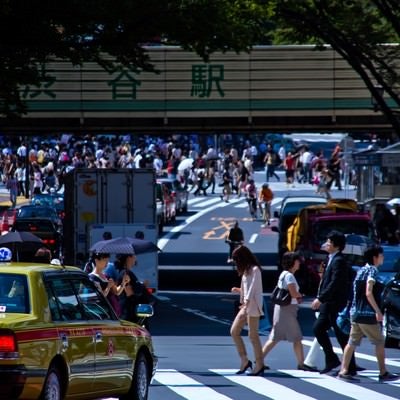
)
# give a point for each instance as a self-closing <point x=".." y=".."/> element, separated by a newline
<point x="310" y="229"/>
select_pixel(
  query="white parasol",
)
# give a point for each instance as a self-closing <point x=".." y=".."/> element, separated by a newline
<point x="186" y="163"/>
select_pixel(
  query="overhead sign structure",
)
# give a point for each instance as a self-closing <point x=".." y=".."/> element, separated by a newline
<point x="279" y="82"/>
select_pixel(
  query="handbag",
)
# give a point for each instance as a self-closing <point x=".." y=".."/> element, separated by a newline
<point x="343" y="319"/>
<point x="281" y="296"/>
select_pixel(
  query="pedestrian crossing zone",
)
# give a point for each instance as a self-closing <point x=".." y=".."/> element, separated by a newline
<point x="283" y="384"/>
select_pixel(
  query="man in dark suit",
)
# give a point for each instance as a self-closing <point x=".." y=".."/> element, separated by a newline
<point x="333" y="293"/>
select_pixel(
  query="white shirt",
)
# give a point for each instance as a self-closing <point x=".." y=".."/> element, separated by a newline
<point x="285" y="279"/>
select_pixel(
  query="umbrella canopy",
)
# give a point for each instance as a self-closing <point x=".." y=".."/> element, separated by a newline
<point x="186" y="163"/>
<point x="124" y="245"/>
<point x="21" y="241"/>
<point x="19" y="237"/>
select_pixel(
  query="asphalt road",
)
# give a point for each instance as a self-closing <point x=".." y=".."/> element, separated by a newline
<point x="194" y="254"/>
<point x="197" y="358"/>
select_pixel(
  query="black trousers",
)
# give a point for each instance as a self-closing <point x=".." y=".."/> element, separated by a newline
<point x="325" y="321"/>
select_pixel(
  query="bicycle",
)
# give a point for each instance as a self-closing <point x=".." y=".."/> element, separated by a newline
<point x="266" y="211"/>
<point x="252" y="207"/>
<point x="233" y="244"/>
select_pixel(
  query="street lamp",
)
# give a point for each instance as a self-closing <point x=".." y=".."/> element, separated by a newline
<point x="380" y="92"/>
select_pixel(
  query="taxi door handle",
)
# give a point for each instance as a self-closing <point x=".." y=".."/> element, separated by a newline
<point x="98" y="337"/>
<point x="64" y="341"/>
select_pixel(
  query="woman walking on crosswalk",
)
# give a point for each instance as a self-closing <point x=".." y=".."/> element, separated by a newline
<point x="250" y="310"/>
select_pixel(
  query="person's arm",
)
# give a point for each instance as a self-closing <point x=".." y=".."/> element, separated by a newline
<point x="294" y="293"/>
<point x="371" y="299"/>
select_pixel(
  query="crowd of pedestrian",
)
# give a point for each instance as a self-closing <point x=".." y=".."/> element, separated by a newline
<point x="40" y="166"/>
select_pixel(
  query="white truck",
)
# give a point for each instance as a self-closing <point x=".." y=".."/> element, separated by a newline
<point x="146" y="268"/>
<point x="104" y="196"/>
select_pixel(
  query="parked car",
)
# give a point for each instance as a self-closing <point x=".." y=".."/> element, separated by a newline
<point x="54" y="200"/>
<point x="60" y="338"/>
<point x="39" y="211"/>
<point x="164" y="195"/>
<point x="175" y="188"/>
<point x="44" y="228"/>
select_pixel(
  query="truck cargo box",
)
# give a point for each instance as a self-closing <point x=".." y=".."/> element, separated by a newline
<point x="99" y="196"/>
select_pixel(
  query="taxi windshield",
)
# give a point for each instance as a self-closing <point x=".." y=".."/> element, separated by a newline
<point x="14" y="294"/>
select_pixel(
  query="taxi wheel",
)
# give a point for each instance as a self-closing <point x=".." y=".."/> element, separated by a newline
<point x="140" y="383"/>
<point x="52" y="386"/>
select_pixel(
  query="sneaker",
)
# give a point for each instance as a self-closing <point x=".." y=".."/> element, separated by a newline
<point x="387" y="376"/>
<point x="348" y="378"/>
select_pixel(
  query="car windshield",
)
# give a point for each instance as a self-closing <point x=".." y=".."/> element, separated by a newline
<point x="349" y="226"/>
<point x="33" y="212"/>
<point x="47" y="200"/>
<point x="14" y="296"/>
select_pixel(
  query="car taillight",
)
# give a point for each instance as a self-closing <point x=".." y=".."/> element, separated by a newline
<point x="49" y="241"/>
<point x="8" y="345"/>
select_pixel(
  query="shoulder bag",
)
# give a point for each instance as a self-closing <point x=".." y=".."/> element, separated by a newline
<point x="281" y="296"/>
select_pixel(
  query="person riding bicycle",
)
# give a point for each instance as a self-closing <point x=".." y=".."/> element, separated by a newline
<point x="234" y="238"/>
<point x="251" y="196"/>
<point x="265" y="199"/>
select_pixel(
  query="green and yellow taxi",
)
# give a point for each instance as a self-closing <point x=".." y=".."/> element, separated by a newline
<point x="60" y="338"/>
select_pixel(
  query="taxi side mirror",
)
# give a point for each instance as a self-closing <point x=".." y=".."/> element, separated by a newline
<point x="144" y="311"/>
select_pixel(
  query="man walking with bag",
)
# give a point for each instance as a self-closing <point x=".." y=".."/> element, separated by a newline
<point x="332" y="297"/>
<point x="366" y="316"/>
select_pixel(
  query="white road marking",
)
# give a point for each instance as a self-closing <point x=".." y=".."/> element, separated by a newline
<point x="164" y="240"/>
<point x="350" y="390"/>
<point x="206" y="202"/>
<point x="363" y="356"/>
<point x="262" y="386"/>
<point x="374" y="375"/>
<point x="253" y="237"/>
<point x="187" y="387"/>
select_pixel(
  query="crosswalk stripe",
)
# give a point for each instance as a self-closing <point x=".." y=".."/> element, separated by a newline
<point x="262" y="386"/>
<point x="187" y="387"/>
<point x="351" y="390"/>
<point x="202" y="202"/>
<point x="374" y="375"/>
<point x="207" y="202"/>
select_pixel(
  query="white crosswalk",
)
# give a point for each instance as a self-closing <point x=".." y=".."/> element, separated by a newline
<point x="198" y="203"/>
<point x="276" y="385"/>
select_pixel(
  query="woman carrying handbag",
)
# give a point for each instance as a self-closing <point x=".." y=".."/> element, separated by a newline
<point x="285" y="324"/>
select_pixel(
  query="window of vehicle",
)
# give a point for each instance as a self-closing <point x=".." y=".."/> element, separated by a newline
<point x="391" y="262"/>
<point x="14" y="295"/>
<point x="93" y="302"/>
<point x="356" y="227"/>
<point x="35" y="212"/>
<point x="76" y="299"/>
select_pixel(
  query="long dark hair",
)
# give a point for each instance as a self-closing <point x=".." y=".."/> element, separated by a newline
<point x="120" y="261"/>
<point x="244" y="260"/>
